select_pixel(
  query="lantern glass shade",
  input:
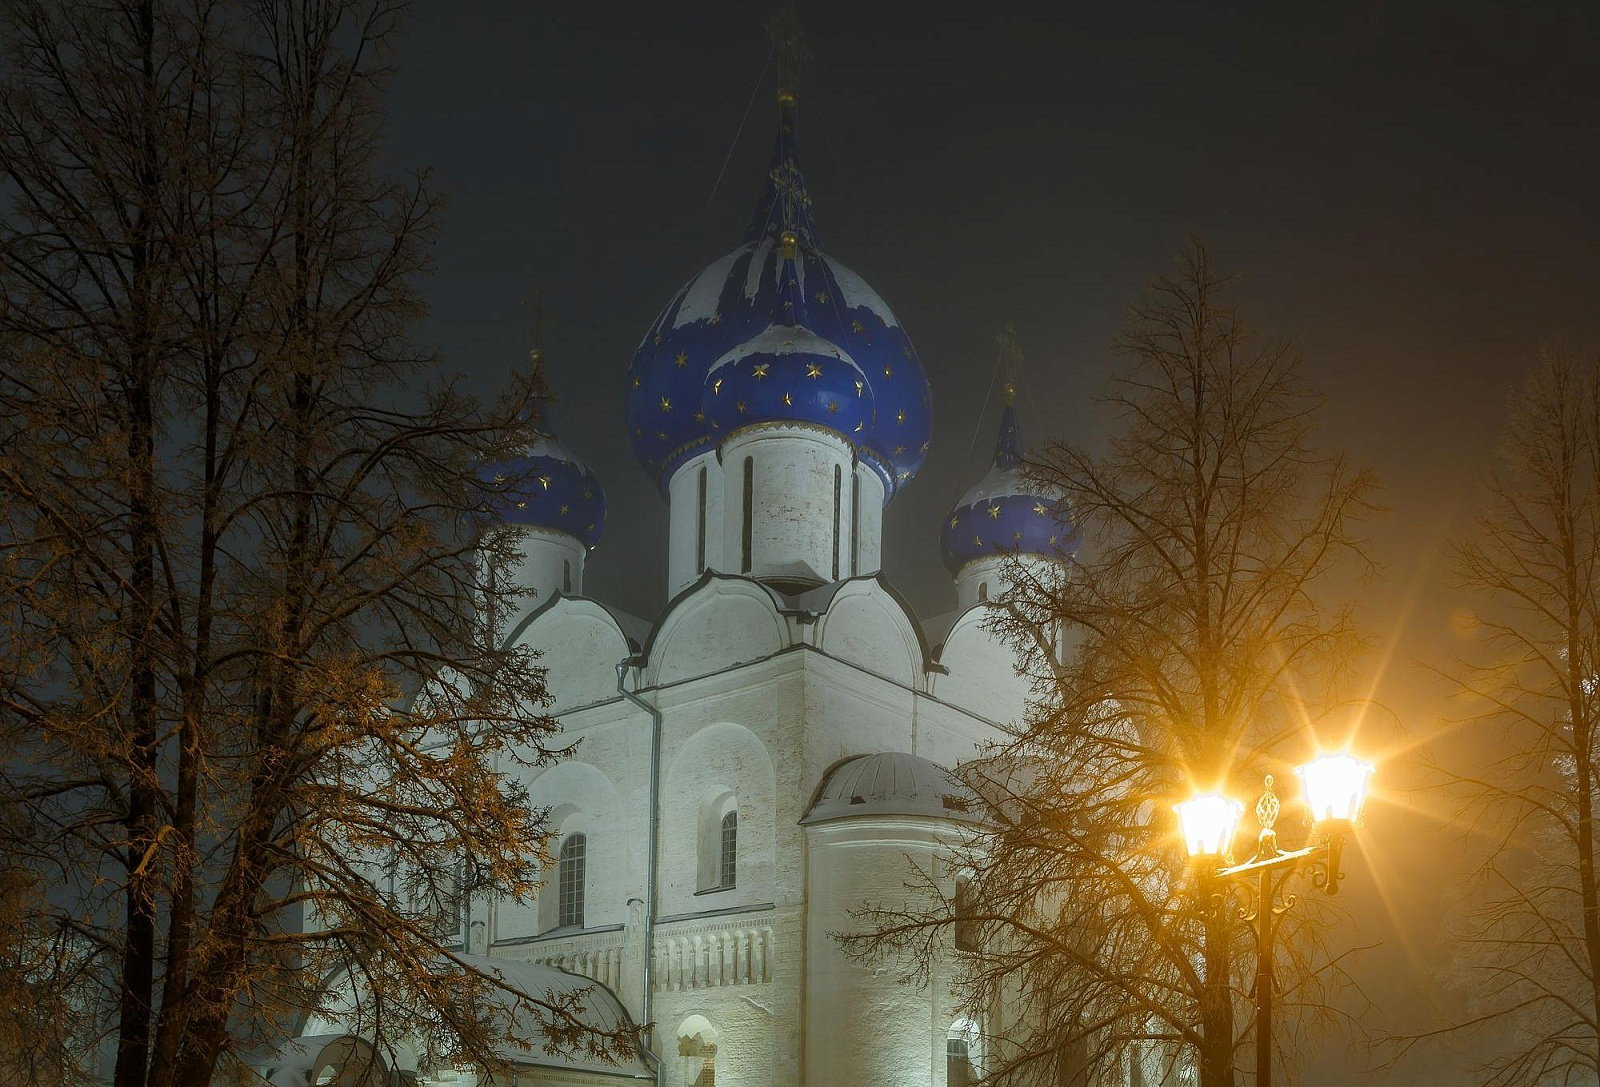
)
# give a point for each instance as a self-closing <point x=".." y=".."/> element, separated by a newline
<point x="1335" y="786"/>
<point x="1208" y="823"/>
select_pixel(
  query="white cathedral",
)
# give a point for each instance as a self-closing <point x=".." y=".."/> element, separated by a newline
<point x="765" y="754"/>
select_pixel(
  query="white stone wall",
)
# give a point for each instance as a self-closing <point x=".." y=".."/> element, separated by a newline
<point x="548" y="562"/>
<point x="869" y="553"/>
<point x="792" y="502"/>
<point x="684" y="528"/>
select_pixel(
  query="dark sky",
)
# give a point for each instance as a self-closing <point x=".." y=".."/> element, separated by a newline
<point x="1410" y="191"/>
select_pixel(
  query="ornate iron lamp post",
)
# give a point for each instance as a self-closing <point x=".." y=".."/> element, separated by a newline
<point x="1334" y="788"/>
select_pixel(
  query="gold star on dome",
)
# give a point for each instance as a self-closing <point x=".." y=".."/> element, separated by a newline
<point x="857" y="326"/>
<point x="953" y="519"/>
<point x="994" y="511"/>
<point x="522" y="505"/>
<point x="1052" y="541"/>
<point x="1040" y="508"/>
<point x="900" y="416"/>
<point x="760" y="369"/>
<point x="588" y="493"/>
<point x="923" y="448"/>
<point x="787" y="402"/>
<point x="699" y="416"/>
<point x="544" y="481"/>
<point x="858" y="428"/>
<point x="888" y="371"/>
<point x="499" y="480"/>
<point x="977" y="541"/>
<point x="589" y="528"/>
<point x="716" y="387"/>
<point x="903" y="476"/>
<point x="564" y="510"/>
<point x="833" y="406"/>
<point x="739" y="405"/>
<point x="859" y="386"/>
<point x="661" y="435"/>
<point x="1016" y="537"/>
<point x="635" y="383"/>
<point x="822" y="297"/>
<point x="666" y="405"/>
<point x="682" y="359"/>
<point x="658" y="339"/>
<point x="897" y="451"/>
<point x="813" y="370"/>
<point x="715" y="318"/>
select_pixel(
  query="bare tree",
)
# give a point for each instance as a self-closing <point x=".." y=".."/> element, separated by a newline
<point x="1202" y="650"/>
<point x="1531" y="958"/>
<point x="257" y="717"/>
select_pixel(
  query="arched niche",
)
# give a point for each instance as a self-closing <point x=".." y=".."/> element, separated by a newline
<point x="580" y="799"/>
<point x="718" y="622"/>
<point x="870" y="627"/>
<point x="721" y="767"/>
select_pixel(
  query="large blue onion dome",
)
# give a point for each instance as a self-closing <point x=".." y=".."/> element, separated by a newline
<point x="780" y="277"/>
<point x="1004" y="513"/>
<point x="786" y="373"/>
<point x="544" y="485"/>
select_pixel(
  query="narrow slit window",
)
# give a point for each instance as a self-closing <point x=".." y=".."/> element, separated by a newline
<point x="837" y="485"/>
<point x="700" y="531"/>
<point x="566" y="576"/>
<point x="744" y="535"/>
<point x="855" y="524"/>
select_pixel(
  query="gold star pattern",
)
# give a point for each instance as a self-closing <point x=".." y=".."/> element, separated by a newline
<point x="740" y="406"/>
<point x="499" y="480"/>
<point x="661" y="435"/>
<point x="900" y="416"/>
<point x="760" y="370"/>
<point x="1052" y="541"/>
<point x="716" y="387"/>
<point x="635" y="383"/>
<point x="588" y="493"/>
<point x="888" y="371"/>
<point x="898" y="450"/>
<point x="545" y="482"/>
<point x="833" y="406"/>
<point x="716" y="318"/>
<point x="1040" y="509"/>
<point x="994" y="512"/>
<point x="813" y="370"/>
<point x="658" y="339"/>
<point x="953" y="519"/>
<point x="787" y="402"/>
<point x="859" y="386"/>
<point x="699" y="416"/>
<point x="682" y="359"/>
<point x="858" y="428"/>
<point x="923" y="448"/>
<point x="565" y="509"/>
<point x="857" y="326"/>
<point x="1016" y="537"/>
<point x="522" y="505"/>
<point x="977" y="541"/>
<point x="822" y="297"/>
<point x="903" y="476"/>
<point x="666" y="405"/>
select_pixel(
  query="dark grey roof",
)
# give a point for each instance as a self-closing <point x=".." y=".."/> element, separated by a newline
<point x="891" y="783"/>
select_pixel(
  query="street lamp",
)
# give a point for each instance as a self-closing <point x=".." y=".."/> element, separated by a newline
<point x="1335" y="787"/>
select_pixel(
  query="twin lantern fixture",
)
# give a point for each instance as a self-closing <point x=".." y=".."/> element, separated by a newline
<point x="1334" y="787"/>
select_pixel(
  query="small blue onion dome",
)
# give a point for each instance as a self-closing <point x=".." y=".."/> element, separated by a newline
<point x="1005" y="514"/>
<point x="787" y="374"/>
<point x="779" y="277"/>
<point x="544" y="485"/>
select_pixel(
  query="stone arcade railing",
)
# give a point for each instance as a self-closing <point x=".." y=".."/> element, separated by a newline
<point x="595" y="955"/>
<point x="709" y="953"/>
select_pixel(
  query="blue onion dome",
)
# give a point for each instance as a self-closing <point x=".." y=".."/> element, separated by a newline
<point x="722" y="318"/>
<point x="787" y="373"/>
<point x="1004" y="513"/>
<point x="544" y="485"/>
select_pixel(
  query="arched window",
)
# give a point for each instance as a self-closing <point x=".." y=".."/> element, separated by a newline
<point x="729" y="858"/>
<point x="983" y="590"/>
<point x="717" y="866"/>
<point x="570" y="881"/>
<point x="697" y="1048"/>
<point x="961" y="1054"/>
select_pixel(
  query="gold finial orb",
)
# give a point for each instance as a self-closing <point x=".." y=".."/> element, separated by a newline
<point x="789" y="239"/>
<point x="786" y="97"/>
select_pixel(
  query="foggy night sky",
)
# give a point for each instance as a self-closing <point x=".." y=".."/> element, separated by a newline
<point x="1409" y="191"/>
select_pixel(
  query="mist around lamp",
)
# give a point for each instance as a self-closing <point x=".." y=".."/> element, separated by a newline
<point x="1208" y="823"/>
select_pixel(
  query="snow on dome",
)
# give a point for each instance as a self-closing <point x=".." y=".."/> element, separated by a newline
<point x="891" y="783"/>
<point x="779" y="276"/>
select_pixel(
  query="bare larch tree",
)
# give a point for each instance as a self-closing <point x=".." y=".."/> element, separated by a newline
<point x="259" y="727"/>
<point x="1200" y="649"/>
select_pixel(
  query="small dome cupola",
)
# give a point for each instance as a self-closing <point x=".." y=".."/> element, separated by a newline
<point x="891" y="783"/>
<point x="1004" y="514"/>
<point x="552" y="499"/>
<point x="779" y="277"/>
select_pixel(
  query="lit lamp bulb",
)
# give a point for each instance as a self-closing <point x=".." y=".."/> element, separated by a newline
<point x="1335" y="786"/>
<point x="1208" y="823"/>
